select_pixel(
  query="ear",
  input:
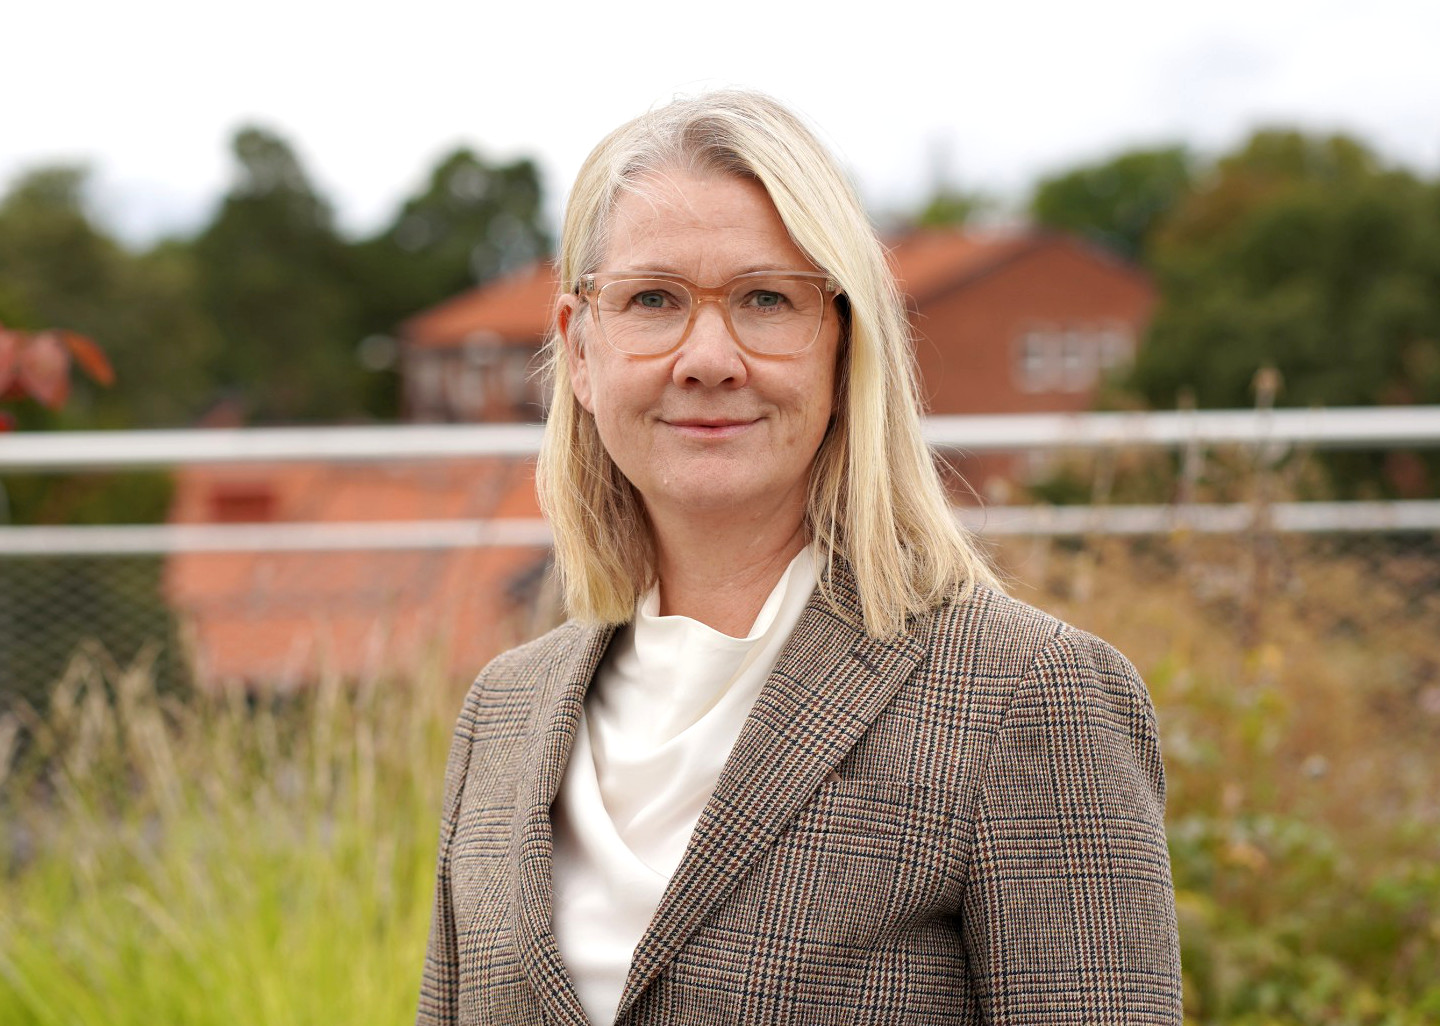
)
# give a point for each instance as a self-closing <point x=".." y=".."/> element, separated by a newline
<point x="569" y="322"/>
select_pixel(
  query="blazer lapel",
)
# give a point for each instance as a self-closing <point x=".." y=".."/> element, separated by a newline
<point x="829" y="684"/>
<point x="558" y="706"/>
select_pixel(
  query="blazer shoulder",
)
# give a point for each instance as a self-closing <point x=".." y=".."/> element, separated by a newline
<point x="514" y="675"/>
<point x="1017" y="633"/>
<point x="1068" y="677"/>
<point x="538" y="654"/>
<point x="1009" y="648"/>
<point x="988" y="633"/>
<point x="1074" y="758"/>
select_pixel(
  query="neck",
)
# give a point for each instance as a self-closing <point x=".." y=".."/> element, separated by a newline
<point x="722" y="576"/>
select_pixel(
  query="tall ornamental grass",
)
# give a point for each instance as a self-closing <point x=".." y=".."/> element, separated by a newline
<point x="219" y="859"/>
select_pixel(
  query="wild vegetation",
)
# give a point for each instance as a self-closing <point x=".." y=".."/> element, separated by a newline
<point x="169" y="856"/>
<point x="1299" y="700"/>
<point x="236" y="857"/>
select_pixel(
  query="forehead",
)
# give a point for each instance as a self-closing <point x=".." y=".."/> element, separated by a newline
<point x="707" y="226"/>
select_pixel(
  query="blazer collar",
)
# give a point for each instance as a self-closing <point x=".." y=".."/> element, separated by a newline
<point x="558" y="703"/>
<point x="827" y="687"/>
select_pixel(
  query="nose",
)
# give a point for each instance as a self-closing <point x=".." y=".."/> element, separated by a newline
<point x="710" y="356"/>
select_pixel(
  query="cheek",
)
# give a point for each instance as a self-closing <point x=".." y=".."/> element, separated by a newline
<point x="618" y="402"/>
<point x="823" y="392"/>
<point x="813" y="400"/>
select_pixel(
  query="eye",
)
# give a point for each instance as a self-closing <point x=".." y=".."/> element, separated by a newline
<point x="765" y="300"/>
<point x="654" y="299"/>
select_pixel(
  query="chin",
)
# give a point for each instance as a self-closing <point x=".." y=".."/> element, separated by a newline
<point x="741" y="501"/>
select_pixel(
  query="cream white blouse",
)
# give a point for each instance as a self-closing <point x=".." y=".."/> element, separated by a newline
<point x="661" y="716"/>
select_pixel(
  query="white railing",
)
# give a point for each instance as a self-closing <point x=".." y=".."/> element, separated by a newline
<point x="992" y="521"/>
<point x="1381" y="427"/>
<point x="1266" y="430"/>
<point x="1377" y="427"/>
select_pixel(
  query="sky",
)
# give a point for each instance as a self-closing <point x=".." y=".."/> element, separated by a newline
<point x="983" y="97"/>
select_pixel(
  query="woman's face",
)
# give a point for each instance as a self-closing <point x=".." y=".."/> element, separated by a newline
<point x="709" y="428"/>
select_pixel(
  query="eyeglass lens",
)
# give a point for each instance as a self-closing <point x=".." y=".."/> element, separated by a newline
<point x="773" y="316"/>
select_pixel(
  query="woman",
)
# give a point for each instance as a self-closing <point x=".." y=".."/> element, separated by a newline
<point x="795" y="759"/>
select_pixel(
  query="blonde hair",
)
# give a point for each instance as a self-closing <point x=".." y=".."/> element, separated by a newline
<point x="875" y="498"/>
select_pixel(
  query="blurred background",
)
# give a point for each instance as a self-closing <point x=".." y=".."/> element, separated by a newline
<point x="273" y="282"/>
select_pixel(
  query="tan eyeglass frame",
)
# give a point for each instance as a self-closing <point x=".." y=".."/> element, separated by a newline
<point x="591" y="284"/>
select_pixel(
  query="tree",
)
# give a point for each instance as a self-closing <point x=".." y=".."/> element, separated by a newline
<point x="950" y="207"/>
<point x="473" y="220"/>
<point x="1306" y="255"/>
<point x="1117" y="203"/>
<point x="279" y="285"/>
<point x="58" y="268"/>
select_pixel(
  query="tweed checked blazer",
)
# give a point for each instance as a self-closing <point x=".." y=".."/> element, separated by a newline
<point x="962" y="825"/>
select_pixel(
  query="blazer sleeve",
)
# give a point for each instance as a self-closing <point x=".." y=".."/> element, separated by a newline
<point x="439" y="986"/>
<point x="1069" y="908"/>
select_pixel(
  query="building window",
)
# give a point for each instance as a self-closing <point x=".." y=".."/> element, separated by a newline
<point x="1037" y="361"/>
<point x="469" y="383"/>
<point x="425" y="382"/>
<point x="1117" y="347"/>
<point x="1077" y="360"/>
<point x="238" y="503"/>
<point x="519" y="386"/>
<point x="1070" y="359"/>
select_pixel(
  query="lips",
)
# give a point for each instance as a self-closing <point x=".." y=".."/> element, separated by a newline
<point x="710" y="422"/>
<point x="710" y="427"/>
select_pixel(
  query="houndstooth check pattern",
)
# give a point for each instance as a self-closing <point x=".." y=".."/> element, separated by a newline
<point x="962" y="825"/>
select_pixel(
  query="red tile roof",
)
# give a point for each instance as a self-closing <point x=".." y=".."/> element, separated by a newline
<point x="936" y="260"/>
<point x="279" y="618"/>
<point x="514" y="309"/>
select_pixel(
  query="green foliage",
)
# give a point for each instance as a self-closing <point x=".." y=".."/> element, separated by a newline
<point x="473" y="221"/>
<point x="58" y="269"/>
<point x="275" y="278"/>
<point x="950" y="208"/>
<point x="1118" y="203"/>
<point x="140" y="497"/>
<point x="50" y="253"/>
<point x="1305" y="255"/>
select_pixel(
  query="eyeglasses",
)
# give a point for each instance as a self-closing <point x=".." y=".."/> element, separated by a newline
<point x="769" y="313"/>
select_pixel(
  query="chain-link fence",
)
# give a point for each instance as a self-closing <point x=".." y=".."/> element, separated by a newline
<point x="51" y="605"/>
